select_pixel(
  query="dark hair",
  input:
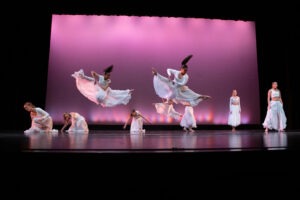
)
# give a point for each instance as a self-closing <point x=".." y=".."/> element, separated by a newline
<point x="29" y="104"/>
<point x="132" y="111"/>
<point x="108" y="69"/>
<point x="184" y="67"/>
<point x="185" y="61"/>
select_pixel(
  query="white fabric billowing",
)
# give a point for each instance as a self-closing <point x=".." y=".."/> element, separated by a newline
<point x="275" y="117"/>
<point x="163" y="87"/>
<point x="136" y="126"/>
<point x="234" y="118"/>
<point x="94" y="92"/>
<point x="41" y="122"/>
<point x="168" y="110"/>
<point x="78" y="123"/>
<point x="176" y="89"/>
<point x="188" y="119"/>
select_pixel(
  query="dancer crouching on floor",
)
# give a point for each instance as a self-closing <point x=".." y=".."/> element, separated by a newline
<point x="137" y="120"/>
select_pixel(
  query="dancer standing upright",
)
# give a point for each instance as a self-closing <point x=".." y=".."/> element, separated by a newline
<point x="234" y="118"/>
<point x="275" y="118"/>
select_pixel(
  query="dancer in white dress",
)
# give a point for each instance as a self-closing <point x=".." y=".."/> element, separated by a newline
<point x="234" y="118"/>
<point x="275" y="118"/>
<point x="176" y="88"/>
<point x="76" y="121"/>
<point x="97" y="90"/>
<point x="41" y="121"/>
<point x="166" y="108"/>
<point x="137" y="120"/>
<point x="188" y="120"/>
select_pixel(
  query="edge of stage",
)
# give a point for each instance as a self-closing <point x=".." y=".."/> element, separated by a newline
<point x="159" y="163"/>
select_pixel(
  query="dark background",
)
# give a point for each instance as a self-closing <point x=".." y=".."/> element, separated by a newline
<point x="25" y="29"/>
<point x="26" y="34"/>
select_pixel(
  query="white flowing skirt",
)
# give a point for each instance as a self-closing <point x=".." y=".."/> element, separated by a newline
<point x="275" y="118"/>
<point x="188" y="119"/>
<point x="136" y="126"/>
<point x="96" y="94"/>
<point x="165" y="88"/>
<point x="168" y="110"/>
<point x="78" y="125"/>
<point x="37" y="125"/>
<point x="234" y="118"/>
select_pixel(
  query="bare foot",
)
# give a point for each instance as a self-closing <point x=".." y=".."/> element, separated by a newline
<point x="233" y="129"/>
<point x="266" y="130"/>
<point x="191" y="130"/>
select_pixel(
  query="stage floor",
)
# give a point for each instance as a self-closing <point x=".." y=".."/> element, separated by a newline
<point x="106" y="141"/>
<point x="162" y="164"/>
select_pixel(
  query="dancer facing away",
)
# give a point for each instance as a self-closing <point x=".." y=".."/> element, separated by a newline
<point x="41" y="121"/>
<point x="136" y="119"/>
<point x="234" y="118"/>
<point x="76" y="121"/>
<point x="97" y="90"/>
<point x="188" y="120"/>
<point x="166" y="108"/>
<point x="176" y="88"/>
<point x="275" y="117"/>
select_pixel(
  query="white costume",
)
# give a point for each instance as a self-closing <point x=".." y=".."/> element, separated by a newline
<point x="234" y="118"/>
<point x="78" y="123"/>
<point x="41" y="122"/>
<point x="188" y="119"/>
<point x="136" y="126"/>
<point x="168" y="110"/>
<point x="275" y="118"/>
<point x="175" y="89"/>
<point x="95" y="93"/>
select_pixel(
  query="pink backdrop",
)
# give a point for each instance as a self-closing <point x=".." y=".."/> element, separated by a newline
<point x="225" y="58"/>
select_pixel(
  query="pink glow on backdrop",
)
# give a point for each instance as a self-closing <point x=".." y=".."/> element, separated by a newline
<point x="224" y="59"/>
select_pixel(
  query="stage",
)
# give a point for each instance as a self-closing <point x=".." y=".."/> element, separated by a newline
<point x="152" y="141"/>
<point x="157" y="164"/>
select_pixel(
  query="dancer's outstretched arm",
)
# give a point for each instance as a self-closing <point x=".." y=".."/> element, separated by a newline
<point x="145" y="119"/>
<point x="128" y="120"/>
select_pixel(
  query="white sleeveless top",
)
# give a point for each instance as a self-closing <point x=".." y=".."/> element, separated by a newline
<point x="275" y="93"/>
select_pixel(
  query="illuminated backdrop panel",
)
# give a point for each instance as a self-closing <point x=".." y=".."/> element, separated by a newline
<point x="224" y="58"/>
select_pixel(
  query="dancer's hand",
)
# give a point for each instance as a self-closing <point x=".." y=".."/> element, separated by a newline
<point x="154" y="72"/>
<point x="124" y="127"/>
<point x="206" y="97"/>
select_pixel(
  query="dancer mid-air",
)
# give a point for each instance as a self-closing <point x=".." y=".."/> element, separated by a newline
<point x="97" y="90"/>
<point x="176" y="88"/>
<point x="166" y="108"/>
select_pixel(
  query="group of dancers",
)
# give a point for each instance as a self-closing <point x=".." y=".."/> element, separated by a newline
<point x="172" y="90"/>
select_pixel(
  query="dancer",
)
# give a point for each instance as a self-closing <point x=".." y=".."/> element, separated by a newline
<point x="234" y="118"/>
<point x="275" y="117"/>
<point x="188" y="121"/>
<point x="176" y="88"/>
<point x="136" y="119"/>
<point x="41" y="121"/>
<point x="76" y="121"/>
<point x="97" y="90"/>
<point x="166" y="108"/>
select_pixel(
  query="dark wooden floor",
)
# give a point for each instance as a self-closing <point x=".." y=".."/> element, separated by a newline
<point x="156" y="165"/>
<point x="152" y="141"/>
